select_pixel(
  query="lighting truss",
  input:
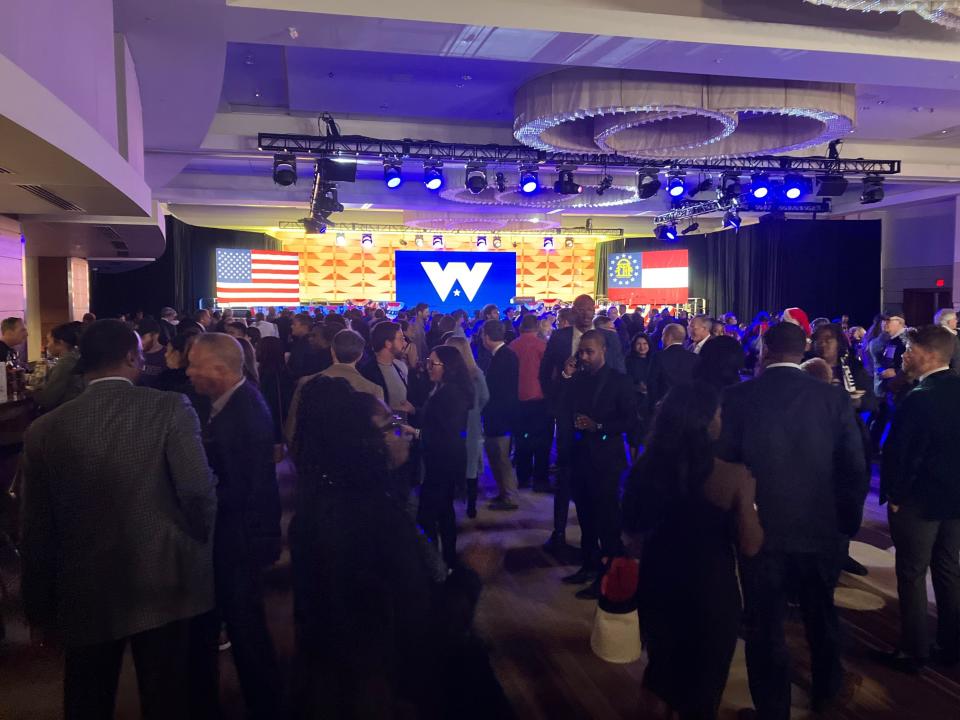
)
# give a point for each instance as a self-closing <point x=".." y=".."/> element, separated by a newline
<point x="692" y="210"/>
<point x="812" y="207"/>
<point x="376" y="228"/>
<point x="360" y="146"/>
<point x="744" y="203"/>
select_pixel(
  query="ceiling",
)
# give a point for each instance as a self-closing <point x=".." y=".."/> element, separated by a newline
<point x="449" y="71"/>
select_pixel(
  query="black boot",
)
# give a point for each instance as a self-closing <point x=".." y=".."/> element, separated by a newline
<point x="471" y="497"/>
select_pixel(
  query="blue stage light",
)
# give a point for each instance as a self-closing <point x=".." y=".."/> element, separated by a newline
<point x="432" y="177"/>
<point x="759" y="186"/>
<point x="392" y="176"/>
<point x="675" y="187"/>
<point x="529" y="183"/>
<point x="793" y="186"/>
<point x="667" y="233"/>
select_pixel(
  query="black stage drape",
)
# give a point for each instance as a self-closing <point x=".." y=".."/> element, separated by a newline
<point x="826" y="267"/>
<point x="181" y="277"/>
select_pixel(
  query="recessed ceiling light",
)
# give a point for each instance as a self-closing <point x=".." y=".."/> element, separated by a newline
<point x="944" y="132"/>
<point x="466" y="78"/>
<point x="256" y="94"/>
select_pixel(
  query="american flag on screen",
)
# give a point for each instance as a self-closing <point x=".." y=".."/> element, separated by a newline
<point x="659" y="276"/>
<point x="257" y="277"/>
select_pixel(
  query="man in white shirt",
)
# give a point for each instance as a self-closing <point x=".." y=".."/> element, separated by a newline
<point x="698" y="330"/>
<point x="266" y="328"/>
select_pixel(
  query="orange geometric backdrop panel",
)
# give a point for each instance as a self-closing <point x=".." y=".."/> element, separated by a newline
<point x="331" y="272"/>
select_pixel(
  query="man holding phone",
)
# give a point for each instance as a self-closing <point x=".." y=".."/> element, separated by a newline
<point x="602" y="405"/>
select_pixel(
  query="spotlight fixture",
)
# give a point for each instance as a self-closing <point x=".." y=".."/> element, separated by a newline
<point x="366" y="241"/>
<point x="606" y="182"/>
<point x="565" y="184"/>
<point x="497" y="242"/>
<point x="793" y="186"/>
<point x="692" y="227"/>
<point x="568" y="243"/>
<point x="759" y="186"/>
<point x="501" y="182"/>
<point x="392" y="174"/>
<point x="438" y="242"/>
<point x="675" y="185"/>
<point x="548" y="243"/>
<point x="529" y="181"/>
<point x="481" y="242"/>
<point x="284" y="169"/>
<point x="730" y="187"/>
<point x="667" y="233"/>
<point x="703" y="186"/>
<point x="476" y="180"/>
<point x="731" y="219"/>
<point x="403" y="242"/>
<point x="648" y="184"/>
<point x="872" y="190"/>
<point x="314" y="226"/>
<point x="432" y="177"/>
<point x="418" y="240"/>
<point x="341" y="239"/>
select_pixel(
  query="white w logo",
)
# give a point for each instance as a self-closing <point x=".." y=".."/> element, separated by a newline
<point x="443" y="279"/>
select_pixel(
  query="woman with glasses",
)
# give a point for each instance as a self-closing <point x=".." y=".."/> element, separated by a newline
<point x="443" y="440"/>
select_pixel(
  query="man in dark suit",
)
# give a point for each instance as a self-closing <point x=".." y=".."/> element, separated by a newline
<point x="599" y="403"/>
<point x="947" y="318"/>
<point x="920" y="483"/>
<point x="673" y="366"/>
<point x="118" y="516"/>
<point x="500" y="413"/>
<point x="13" y="334"/>
<point x="561" y="347"/>
<point x="800" y="440"/>
<point x="239" y="442"/>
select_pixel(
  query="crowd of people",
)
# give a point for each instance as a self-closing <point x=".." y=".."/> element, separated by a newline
<point x="740" y="453"/>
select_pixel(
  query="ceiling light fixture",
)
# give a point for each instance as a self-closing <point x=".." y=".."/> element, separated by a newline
<point x="731" y="220"/>
<point x="284" y="169"/>
<point x="392" y="174"/>
<point x="438" y="242"/>
<point x="759" y="186"/>
<point x="501" y="182"/>
<point x="565" y="184"/>
<point x="648" y="184"/>
<point x="432" y="176"/>
<point x="675" y="186"/>
<point x="476" y="180"/>
<point x="692" y="227"/>
<point x="548" y="243"/>
<point x="529" y="180"/>
<point x="730" y="187"/>
<point x="872" y="190"/>
<point x="366" y="241"/>
<point x="568" y="243"/>
<point x="497" y="242"/>
<point x="793" y="186"/>
<point x="606" y="182"/>
<point x="667" y="233"/>
<point x="481" y="242"/>
<point x="341" y="239"/>
<point x="418" y="240"/>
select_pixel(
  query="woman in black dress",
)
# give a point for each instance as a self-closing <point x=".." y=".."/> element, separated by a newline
<point x="638" y="368"/>
<point x="443" y="437"/>
<point x="695" y="511"/>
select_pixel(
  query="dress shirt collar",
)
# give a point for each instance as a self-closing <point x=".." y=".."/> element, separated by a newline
<point x="699" y="346"/>
<point x="497" y="348"/>
<point x="933" y="372"/>
<point x="795" y="366"/>
<point x="110" y="378"/>
<point x="221" y="402"/>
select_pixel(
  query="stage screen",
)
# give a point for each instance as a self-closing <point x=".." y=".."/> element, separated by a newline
<point x="450" y="280"/>
<point x="254" y="278"/>
<point x="659" y="277"/>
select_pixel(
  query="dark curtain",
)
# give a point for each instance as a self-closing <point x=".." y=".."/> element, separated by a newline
<point x="826" y="267"/>
<point x="183" y="276"/>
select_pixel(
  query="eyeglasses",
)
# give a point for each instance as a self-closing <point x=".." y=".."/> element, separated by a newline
<point x="436" y="363"/>
<point x="394" y="426"/>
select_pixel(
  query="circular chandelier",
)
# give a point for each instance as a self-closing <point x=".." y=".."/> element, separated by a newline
<point x="678" y="116"/>
<point x="453" y="222"/>
<point x="942" y="12"/>
<point x="592" y="196"/>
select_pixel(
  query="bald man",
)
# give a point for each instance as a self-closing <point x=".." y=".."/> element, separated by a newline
<point x="239" y="444"/>
<point x="673" y="366"/>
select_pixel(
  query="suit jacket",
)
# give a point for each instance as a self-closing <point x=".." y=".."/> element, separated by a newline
<point x="239" y="442"/>
<point x="443" y="436"/>
<point x="607" y="398"/>
<point x="955" y="360"/>
<point x="919" y="456"/>
<point x="669" y="367"/>
<point x="560" y="349"/>
<point x="118" y="514"/>
<point x="503" y="381"/>
<point x="372" y="372"/>
<point x="799" y="437"/>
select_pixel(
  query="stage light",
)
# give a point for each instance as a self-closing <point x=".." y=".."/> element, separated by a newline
<point x="392" y="175"/>
<point x="759" y="186"/>
<point x="692" y="227"/>
<point x="565" y="184"/>
<point x="501" y="182"/>
<point x="872" y="190"/>
<point x="314" y="226"/>
<point x="418" y="240"/>
<point x="476" y="181"/>
<point x="648" y="184"/>
<point x="568" y="243"/>
<point x="548" y="243"/>
<point x="341" y="239"/>
<point x="730" y="187"/>
<point x="702" y="186"/>
<point x="432" y="177"/>
<point x="667" y="233"/>
<point x="481" y="242"/>
<point x="529" y="181"/>
<point x="438" y="242"/>
<point x="675" y="186"/>
<point x="831" y="185"/>
<point x="366" y="241"/>
<point x="731" y="219"/>
<point x="606" y="182"/>
<point x="284" y="169"/>
<point x="497" y="242"/>
<point x="793" y="186"/>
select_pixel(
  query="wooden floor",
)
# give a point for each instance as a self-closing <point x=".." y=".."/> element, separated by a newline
<point x="538" y="635"/>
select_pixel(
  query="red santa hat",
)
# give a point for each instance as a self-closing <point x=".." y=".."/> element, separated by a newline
<point x="798" y="317"/>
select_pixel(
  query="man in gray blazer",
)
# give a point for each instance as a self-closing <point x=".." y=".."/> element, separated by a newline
<point x="118" y="516"/>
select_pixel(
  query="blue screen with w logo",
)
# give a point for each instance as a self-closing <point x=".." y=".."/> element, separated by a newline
<point x="450" y="280"/>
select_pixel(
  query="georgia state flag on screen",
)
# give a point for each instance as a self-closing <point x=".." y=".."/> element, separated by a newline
<point x="450" y="280"/>
<point x="658" y="277"/>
